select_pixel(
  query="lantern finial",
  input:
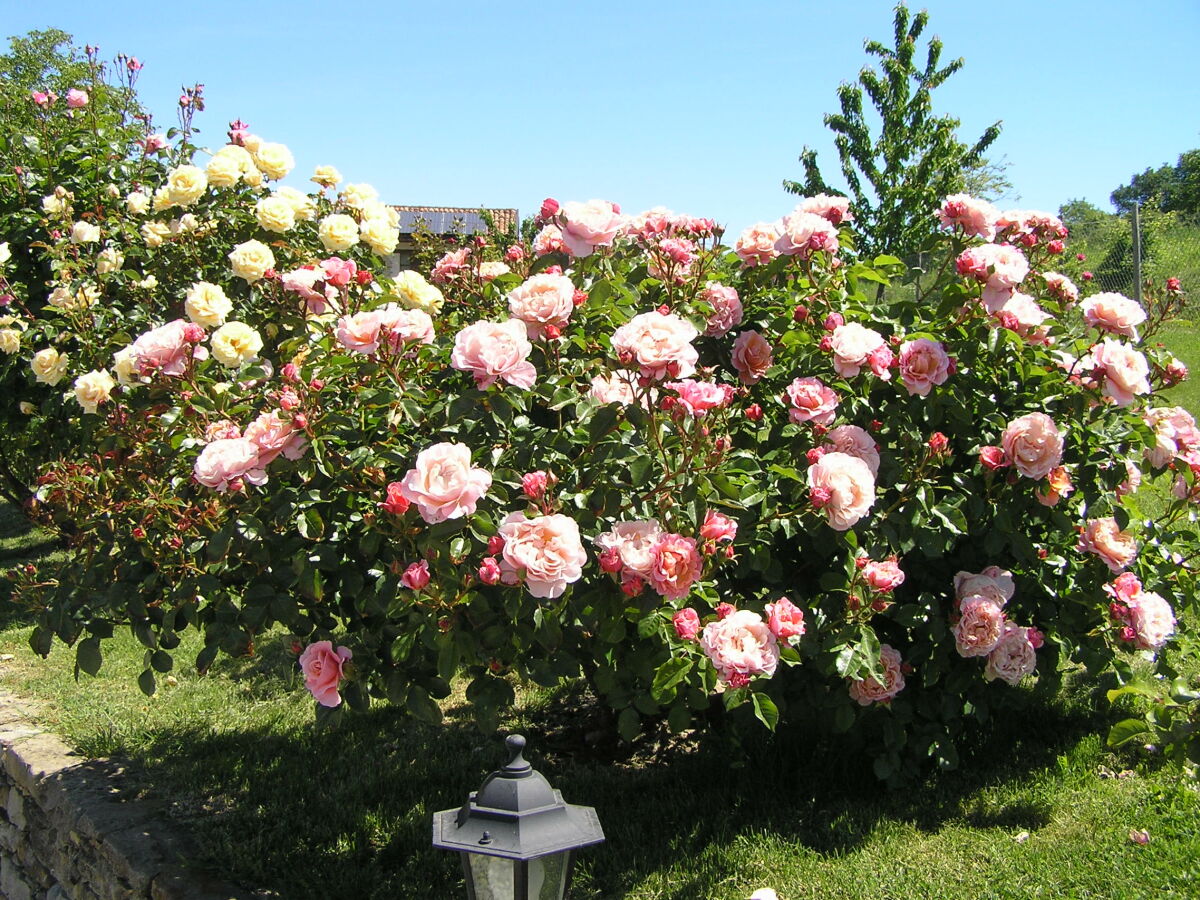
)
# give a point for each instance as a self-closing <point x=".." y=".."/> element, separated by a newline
<point x="517" y="767"/>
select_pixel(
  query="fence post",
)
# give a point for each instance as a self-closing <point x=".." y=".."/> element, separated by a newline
<point x="1137" y="252"/>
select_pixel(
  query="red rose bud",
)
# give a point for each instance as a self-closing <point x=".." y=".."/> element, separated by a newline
<point x="754" y="412"/>
<point x="495" y="545"/>
<point x="820" y="430"/>
<point x="724" y="610"/>
<point x="833" y="320"/>
<point x="687" y="624"/>
<point x="515" y="253"/>
<point x="291" y="373"/>
<point x="1056" y="246"/>
<point x="952" y="366"/>
<point x="938" y="442"/>
<point x="1081" y="257"/>
<point x="876" y="424"/>
<point x="1173" y="285"/>
<point x="820" y="497"/>
<point x="444" y="624"/>
<point x="631" y="584"/>
<point x="193" y="333"/>
<point x="139" y="533"/>
<point x="534" y="484"/>
<point x="993" y="457"/>
<point x="1035" y="637"/>
<point x="1087" y="276"/>
<point x="549" y="209"/>
<point x="480" y="241"/>
<point x="395" y="503"/>
<point x="738" y="680"/>
<point x="270" y="274"/>
<point x="489" y="571"/>
<point x="300" y="420"/>
<point x="553" y="270"/>
<point x="363" y="277"/>
<point x="552" y="332"/>
<point x="176" y="542"/>
<point x="495" y="665"/>
<point x="722" y="443"/>
<point x="814" y="455"/>
<point x="580" y="297"/>
<point x="826" y="343"/>
<point x="416" y="576"/>
<point x="1027" y="239"/>
<point x="316" y="384"/>
<point x="664" y="310"/>
<point x="610" y="560"/>
<point x="860" y="562"/>
<point x="800" y="313"/>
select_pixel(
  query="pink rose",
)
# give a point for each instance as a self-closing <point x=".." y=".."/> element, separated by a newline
<point x="541" y="301"/>
<point x="323" y="669"/>
<point x="227" y="463"/>
<point x="1013" y="657"/>
<point x="751" y="356"/>
<point x="883" y="576"/>
<point x="975" y="217"/>
<point x="661" y="345"/>
<point x="548" y="240"/>
<point x="545" y="549"/>
<point x="493" y="351"/>
<point x="489" y="570"/>
<point x="675" y="564"/>
<point x="718" y="527"/>
<point x="77" y="99"/>
<point x="687" y="624"/>
<point x="1175" y="433"/>
<point x="359" y="333"/>
<point x="634" y="543"/>
<point x="785" y="619"/>
<point x="1124" y="370"/>
<point x="852" y="346"/>
<point x="696" y="398"/>
<point x="548" y="210"/>
<point x="847" y="486"/>
<point x="854" y="441"/>
<point x="399" y="326"/>
<point x="993" y="458"/>
<point x="273" y="435"/>
<point x="416" y="576"/>
<point x="993" y="583"/>
<point x="450" y="266"/>
<point x="740" y="644"/>
<point x="811" y="401"/>
<point x="1033" y="444"/>
<point x="999" y="267"/>
<point x="980" y="626"/>
<point x="615" y="388"/>
<point x="303" y="281"/>
<point x="1117" y="548"/>
<point x="756" y="245"/>
<point x="1114" y="313"/>
<point x="866" y="691"/>
<point x="217" y="431"/>
<point x="443" y="483"/>
<point x="1020" y="313"/>
<point x="726" y="308"/>
<point x="1152" y="619"/>
<point x="1058" y="485"/>
<point x="802" y="233"/>
<point x="835" y="210"/>
<point x="165" y="349"/>
<point x="586" y="226"/>
<point x="534" y="484"/>
<point x="1061" y="288"/>
<point x="338" y="271"/>
<point x="923" y="364"/>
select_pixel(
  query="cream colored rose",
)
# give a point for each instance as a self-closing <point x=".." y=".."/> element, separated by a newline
<point x="125" y="365"/>
<point x="326" y="176"/>
<point x="58" y="203"/>
<point x="137" y="203"/>
<point x="185" y="224"/>
<point x="252" y="142"/>
<point x="274" y="160"/>
<point x="251" y="260"/>
<point x="49" y="366"/>
<point x="206" y="304"/>
<point x="275" y="214"/>
<point x="84" y="233"/>
<point x="148" y="283"/>
<point x="379" y="236"/>
<point x="412" y="291"/>
<point x="83" y="297"/>
<point x="223" y="170"/>
<point x="338" y="232"/>
<point x="303" y="206"/>
<point x="186" y="185"/>
<point x="5" y="254"/>
<point x="10" y="340"/>
<point x="161" y="200"/>
<point x="235" y="343"/>
<point x="109" y="260"/>
<point x="357" y="196"/>
<point x="154" y="233"/>
<point x="93" y="389"/>
<point x="28" y="408"/>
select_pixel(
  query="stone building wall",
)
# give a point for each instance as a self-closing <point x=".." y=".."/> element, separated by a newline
<point x="68" y="830"/>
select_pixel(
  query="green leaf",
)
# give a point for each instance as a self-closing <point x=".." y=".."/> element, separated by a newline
<point x="669" y="674"/>
<point x="679" y="719"/>
<point x="146" y="682"/>
<point x="161" y="661"/>
<point x="629" y="724"/>
<point x="765" y="710"/>
<point x="1125" y="731"/>
<point x="422" y="706"/>
<point x="88" y="656"/>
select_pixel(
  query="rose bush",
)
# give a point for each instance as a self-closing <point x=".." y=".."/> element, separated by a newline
<point x="628" y="454"/>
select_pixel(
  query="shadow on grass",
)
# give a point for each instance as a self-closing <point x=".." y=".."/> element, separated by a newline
<point x="347" y="810"/>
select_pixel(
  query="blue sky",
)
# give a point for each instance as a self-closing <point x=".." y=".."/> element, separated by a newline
<point x="701" y="106"/>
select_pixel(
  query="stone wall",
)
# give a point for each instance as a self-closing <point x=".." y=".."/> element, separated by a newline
<point x="69" y="830"/>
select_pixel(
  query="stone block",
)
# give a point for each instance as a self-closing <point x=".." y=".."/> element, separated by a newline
<point x="34" y="757"/>
<point x="12" y="885"/>
<point x="10" y="836"/>
<point x="14" y="808"/>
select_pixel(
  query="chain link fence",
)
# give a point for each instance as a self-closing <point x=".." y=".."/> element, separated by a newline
<point x="1143" y="251"/>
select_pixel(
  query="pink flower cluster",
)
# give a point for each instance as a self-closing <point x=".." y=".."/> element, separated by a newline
<point x="1028" y="227"/>
<point x="544" y="551"/>
<point x="544" y="302"/>
<point x="803" y="233"/>
<point x="586" y="226"/>
<point x="390" y="325"/>
<point x="1000" y="268"/>
<point x="231" y="460"/>
<point x="726" y="308"/>
<point x="843" y="487"/>
<point x="866" y="691"/>
<point x="1061" y="288"/>
<point x="1118" y="370"/>
<point x="982" y="629"/>
<point x="660" y="344"/>
<point x="321" y="286"/>
<point x="740" y="646"/>
<point x="1175" y="435"/>
<point x="639" y="552"/>
<point x="451" y="266"/>
<point x="697" y="398"/>
<point x="660" y="223"/>
<point x="853" y="441"/>
<point x="1144" y="618"/>
<point x="855" y="346"/>
<point x="168" y="349"/>
<point x="756" y="245"/>
<point x="976" y="217"/>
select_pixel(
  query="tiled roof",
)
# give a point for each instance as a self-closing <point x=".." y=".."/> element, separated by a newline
<point x="451" y="219"/>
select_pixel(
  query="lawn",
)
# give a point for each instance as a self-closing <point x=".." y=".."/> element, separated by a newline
<point x="1039" y="808"/>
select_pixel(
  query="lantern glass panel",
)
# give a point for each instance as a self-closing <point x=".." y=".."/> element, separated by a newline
<point x="494" y="878"/>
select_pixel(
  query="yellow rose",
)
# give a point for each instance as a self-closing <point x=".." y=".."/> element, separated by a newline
<point x="10" y="340"/>
<point x="275" y="214"/>
<point x="223" y="171"/>
<point x="356" y="196"/>
<point x="274" y="160"/>
<point x="109" y="260"/>
<point x="186" y="185"/>
<point x="162" y="199"/>
<point x="326" y="176"/>
<point x="185" y="224"/>
<point x="303" y="206"/>
<point x="251" y="260"/>
<point x="252" y="142"/>
<point x="338" y="232"/>
<point x="235" y="343"/>
<point x="206" y="304"/>
<point x="84" y="233"/>
<point x="154" y="233"/>
<point x="137" y="203"/>
<point x="49" y="366"/>
<point x="149" y="283"/>
<point x="414" y="292"/>
<point x="379" y="236"/>
<point x="93" y="389"/>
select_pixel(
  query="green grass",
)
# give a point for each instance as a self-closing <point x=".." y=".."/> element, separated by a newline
<point x="275" y="804"/>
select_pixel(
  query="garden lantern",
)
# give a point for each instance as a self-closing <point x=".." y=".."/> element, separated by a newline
<point x="516" y="835"/>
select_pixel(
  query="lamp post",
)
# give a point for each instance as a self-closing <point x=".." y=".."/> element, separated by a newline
<point x="516" y="835"/>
